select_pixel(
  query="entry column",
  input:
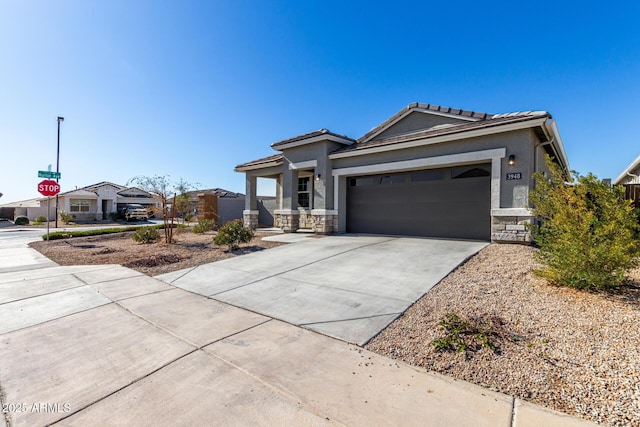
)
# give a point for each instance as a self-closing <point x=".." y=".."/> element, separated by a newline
<point x="250" y="212"/>
<point x="288" y="217"/>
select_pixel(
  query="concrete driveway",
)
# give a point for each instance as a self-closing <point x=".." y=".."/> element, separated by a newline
<point x="349" y="286"/>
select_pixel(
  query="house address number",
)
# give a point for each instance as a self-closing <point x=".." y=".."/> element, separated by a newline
<point x="514" y="175"/>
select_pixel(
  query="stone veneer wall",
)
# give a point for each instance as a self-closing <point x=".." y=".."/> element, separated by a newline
<point x="305" y="220"/>
<point x="511" y="229"/>
<point x="320" y="224"/>
<point x="287" y="222"/>
<point x="250" y="219"/>
<point x="325" y="224"/>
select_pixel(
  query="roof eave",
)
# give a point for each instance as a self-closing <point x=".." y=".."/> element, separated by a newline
<point x="318" y="138"/>
<point x="627" y="171"/>
<point x="551" y="126"/>
<point x="241" y="168"/>
<point x="456" y="135"/>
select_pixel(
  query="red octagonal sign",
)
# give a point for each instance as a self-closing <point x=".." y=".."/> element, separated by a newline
<point x="48" y="188"/>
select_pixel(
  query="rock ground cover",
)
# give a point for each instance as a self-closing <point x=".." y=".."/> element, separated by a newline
<point x="189" y="250"/>
<point x="569" y="350"/>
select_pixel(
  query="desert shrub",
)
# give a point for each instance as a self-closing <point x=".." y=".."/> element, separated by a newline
<point x="146" y="235"/>
<point x="21" y="220"/>
<point x="461" y="334"/>
<point x="587" y="236"/>
<point x="232" y="234"/>
<point x="97" y="232"/>
<point x="203" y="226"/>
<point x="40" y="219"/>
<point x="188" y="216"/>
<point x="66" y="217"/>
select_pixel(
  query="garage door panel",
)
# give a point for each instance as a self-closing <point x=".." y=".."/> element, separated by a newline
<point x="452" y="208"/>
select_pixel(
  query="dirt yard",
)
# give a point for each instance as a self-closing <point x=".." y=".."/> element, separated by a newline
<point x="189" y="250"/>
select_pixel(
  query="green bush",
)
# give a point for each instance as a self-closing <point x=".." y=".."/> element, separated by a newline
<point x="40" y="219"/>
<point x="587" y="236"/>
<point x="188" y="216"/>
<point x="21" y="220"/>
<point x="97" y="232"/>
<point x="232" y="234"/>
<point x="115" y="216"/>
<point x="66" y="217"/>
<point x="203" y="226"/>
<point x="146" y="235"/>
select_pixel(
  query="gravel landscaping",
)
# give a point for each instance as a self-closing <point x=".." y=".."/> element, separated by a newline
<point x="572" y="351"/>
<point x="188" y="250"/>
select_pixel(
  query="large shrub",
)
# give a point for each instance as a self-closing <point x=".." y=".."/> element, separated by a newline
<point x="146" y="235"/>
<point x="21" y="220"/>
<point x="203" y="226"/>
<point x="66" y="217"/>
<point x="587" y="236"/>
<point x="40" y="219"/>
<point x="232" y="234"/>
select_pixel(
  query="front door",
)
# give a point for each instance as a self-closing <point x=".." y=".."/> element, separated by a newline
<point x="105" y="208"/>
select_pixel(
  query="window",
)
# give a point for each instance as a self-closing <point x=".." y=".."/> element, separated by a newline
<point x="362" y="181"/>
<point x="397" y="178"/>
<point x="470" y="171"/>
<point x="77" y="205"/>
<point x="430" y="175"/>
<point x="304" y="191"/>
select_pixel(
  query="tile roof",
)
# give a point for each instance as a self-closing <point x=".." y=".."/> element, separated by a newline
<point x="220" y="192"/>
<point x="275" y="158"/>
<point x="487" y="122"/>
<point x="309" y="135"/>
<point x="472" y="120"/>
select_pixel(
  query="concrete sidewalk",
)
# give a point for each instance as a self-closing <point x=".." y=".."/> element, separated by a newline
<point x="105" y="345"/>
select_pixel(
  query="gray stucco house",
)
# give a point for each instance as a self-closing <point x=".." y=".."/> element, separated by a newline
<point x="426" y="171"/>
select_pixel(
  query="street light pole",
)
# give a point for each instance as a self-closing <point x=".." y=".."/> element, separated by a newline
<point x="60" y="120"/>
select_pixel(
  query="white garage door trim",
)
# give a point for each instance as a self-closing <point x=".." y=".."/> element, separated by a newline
<point x="494" y="155"/>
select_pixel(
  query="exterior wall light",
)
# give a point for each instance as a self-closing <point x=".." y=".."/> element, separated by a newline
<point x="512" y="160"/>
<point x="318" y="177"/>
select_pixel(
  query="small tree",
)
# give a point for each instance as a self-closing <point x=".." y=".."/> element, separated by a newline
<point x="164" y="188"/>
<point x="232" y="234"/>
<point x="587" y="236"/>
<point x="183" y="201"/>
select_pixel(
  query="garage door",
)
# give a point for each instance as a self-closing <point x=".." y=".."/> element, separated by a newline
<point x="451" y="202"/>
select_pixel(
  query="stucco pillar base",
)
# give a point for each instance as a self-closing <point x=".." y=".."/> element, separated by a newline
<point x="250" y="219"/>
<point x="288" y="221"/>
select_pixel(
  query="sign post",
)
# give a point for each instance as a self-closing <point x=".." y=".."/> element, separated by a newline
<point x="48" y="188"/>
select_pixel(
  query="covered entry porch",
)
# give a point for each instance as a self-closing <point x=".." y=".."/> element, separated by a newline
<point x="300" y="195"/>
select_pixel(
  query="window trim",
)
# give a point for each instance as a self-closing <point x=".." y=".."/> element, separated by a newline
<point x="79" y="204"/>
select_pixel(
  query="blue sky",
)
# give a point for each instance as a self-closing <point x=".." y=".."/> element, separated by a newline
<point x="190" y="89"/>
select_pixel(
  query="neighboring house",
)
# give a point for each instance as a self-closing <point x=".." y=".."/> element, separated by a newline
<point x="426" y="171"/>
<point x="630" y="178"/>
<point x="98" y="201"/>
<point x="631" y="175"/>
<point x="90" y="203"/>
<point x="231" y="205"/>
<point x="30" y="208"/>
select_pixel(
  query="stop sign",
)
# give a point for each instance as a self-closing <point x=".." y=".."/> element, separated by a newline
<point x="48" y="188"/>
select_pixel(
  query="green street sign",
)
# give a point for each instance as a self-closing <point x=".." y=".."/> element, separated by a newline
<point x="49" y="174"/>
